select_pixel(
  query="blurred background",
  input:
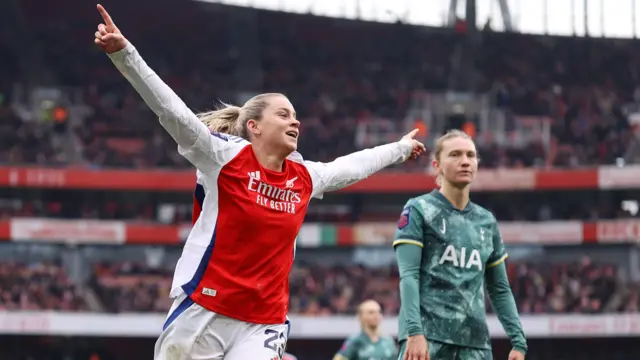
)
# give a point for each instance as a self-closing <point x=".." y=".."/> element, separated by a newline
<point x="95" y="201"/>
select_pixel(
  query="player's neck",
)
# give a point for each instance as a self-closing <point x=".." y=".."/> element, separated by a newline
<point x="459" y="198"/>
<point x="373" y="334"/>
<point x="267" y="159"/>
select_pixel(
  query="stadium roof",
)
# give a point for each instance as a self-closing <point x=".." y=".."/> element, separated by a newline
<point x="555" y="17"/>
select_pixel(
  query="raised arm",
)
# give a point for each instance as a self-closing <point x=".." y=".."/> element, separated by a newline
<point x="349" y="169"/>
<point x="195" y="141"/>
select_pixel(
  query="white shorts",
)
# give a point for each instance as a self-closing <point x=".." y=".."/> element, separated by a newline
<point x="192" y="332"/>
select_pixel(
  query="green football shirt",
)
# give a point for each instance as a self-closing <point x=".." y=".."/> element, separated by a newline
<point x="361" y="347"/>
<point x="457" y="247"/>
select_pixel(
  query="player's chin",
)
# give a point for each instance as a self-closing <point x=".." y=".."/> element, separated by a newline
<point x="291" y="144"/>
<point x="464" y="179"/>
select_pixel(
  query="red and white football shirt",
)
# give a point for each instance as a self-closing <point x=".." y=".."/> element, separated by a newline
<point x="242" y="244"/>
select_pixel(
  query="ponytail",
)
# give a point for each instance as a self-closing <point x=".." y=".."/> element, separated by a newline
<point x="232" y="120"/>
<point x="223" y="120"/>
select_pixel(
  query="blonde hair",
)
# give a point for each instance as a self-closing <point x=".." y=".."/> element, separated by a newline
<point x="366" y="302"/>
<point x="451" y="134"/>
<point x="232" y="120"/>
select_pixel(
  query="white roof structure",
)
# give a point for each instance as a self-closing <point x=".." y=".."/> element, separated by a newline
<point x="609" y="18"/>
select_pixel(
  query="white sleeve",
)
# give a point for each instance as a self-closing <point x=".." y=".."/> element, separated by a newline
<point x="349" y="169"/>
<point x="196" y="143"/>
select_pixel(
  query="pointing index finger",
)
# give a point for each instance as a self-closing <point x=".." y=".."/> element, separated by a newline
<point x="105" y="16"/>
<point x="413" y="133"/>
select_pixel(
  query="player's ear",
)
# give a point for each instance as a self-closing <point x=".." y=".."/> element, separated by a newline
<point x="435" y="164"/>
<point x="253" y="127"/>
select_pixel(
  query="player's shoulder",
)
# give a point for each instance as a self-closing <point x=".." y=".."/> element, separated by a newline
<point x="300" y="166"/>
<point x="231" y="139"/>
<point x="354" y="337"/>
<point x="349" y="344"/>
<point x="429" y="198"/>
<point x="420" y="201"/>
<point x="296" y="160"/>
<point x="229" y="147"/>
<point x="296" y="157"/>
<point x="482" y="213"/>
<point x="353" y="340"/>
<point x="426" y="205"/>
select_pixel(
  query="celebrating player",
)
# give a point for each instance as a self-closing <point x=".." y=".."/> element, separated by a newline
<point x="369" y="343"/>
<point x="231" y="284"/>
<point x="447" y="249"/>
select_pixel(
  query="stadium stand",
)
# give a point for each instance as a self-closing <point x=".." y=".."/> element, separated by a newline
<point x="336" y="87"/>
<point x="317" y="289"/>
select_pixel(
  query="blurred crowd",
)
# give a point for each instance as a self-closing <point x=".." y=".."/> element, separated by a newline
<point x="38" y="286"/>
<point x="581" y="85"/>
<point x="85" y="207"/>
<point x="132" y="287"/>
<point x="538" y="288"/>
<point x="581" y="287"/>
<point x="571" y="81"/>
<point x="325" y="290"/>
<point x="316" y="289"/>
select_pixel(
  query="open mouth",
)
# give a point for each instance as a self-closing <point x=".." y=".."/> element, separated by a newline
<point x="293" y="134"/>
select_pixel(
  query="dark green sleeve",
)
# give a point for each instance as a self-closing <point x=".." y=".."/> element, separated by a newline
<point x="409" y="257"/>
<point x="349" y="350"/>
<point x="408" y="243"/>
<point x="499" y="254"/>
<point x="410" y="227"/>
<point x="505" y="305"/>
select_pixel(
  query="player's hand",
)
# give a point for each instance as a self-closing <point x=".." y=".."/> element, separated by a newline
<point x="516" y="355"/>
<point x="416" y="348"/>
<point x="418" y="147"/>
<point x="108" y="37"/>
